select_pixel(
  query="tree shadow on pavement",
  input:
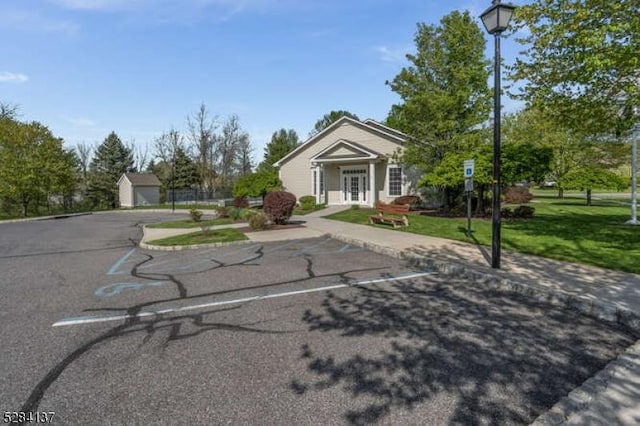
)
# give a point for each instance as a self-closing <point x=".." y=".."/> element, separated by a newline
<point x="455" y="353"/>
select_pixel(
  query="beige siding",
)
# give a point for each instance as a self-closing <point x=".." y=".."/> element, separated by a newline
<point x="296" y="171"/>
<point x="125" y="194"/>
<point x="342" y="150"/>
<point x="147" y="195"/>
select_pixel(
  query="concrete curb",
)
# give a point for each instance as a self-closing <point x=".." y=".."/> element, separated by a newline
<point x="147" y="246"/>
<point x="38" y="218"/>
<point x="193" y="246"/>
<point x="578" y="400"/>
<point x="599" y="310"/>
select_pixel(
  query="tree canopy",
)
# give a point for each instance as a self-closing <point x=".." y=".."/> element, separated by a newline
<point x="112" y="158"/>
<point x="282" y="142"/>
<point x="581" y="60"/>
<point x="33" y="164"/>
<point x="330" y="118"/>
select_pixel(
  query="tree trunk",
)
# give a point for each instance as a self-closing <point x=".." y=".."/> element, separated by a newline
<point x="588" y="197"/>
<point x="560" y="193"/>
<point x="25" y="205"/>
<point x="480" y="203"/>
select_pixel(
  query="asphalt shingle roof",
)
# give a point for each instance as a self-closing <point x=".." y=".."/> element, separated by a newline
<point x="143" y="179"/>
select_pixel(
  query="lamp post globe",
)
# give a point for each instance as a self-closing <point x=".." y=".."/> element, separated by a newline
<point x="496" y="19"/>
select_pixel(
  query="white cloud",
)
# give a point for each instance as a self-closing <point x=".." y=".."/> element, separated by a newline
<point x="98" y="5"/>
<point x="80" y="121"/>
<point x="24" y="20"/>
<point x="393" y="54"/>
<point x="12" y="77"/>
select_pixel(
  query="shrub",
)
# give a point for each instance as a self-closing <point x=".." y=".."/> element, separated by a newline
<point x="517" y="195"/>
<point x="523" y="212"/>
<point x="258" y="221"/>
<point x="196" y="215"/>
<point x="506" y="213"/>
<point x="246" y="214"/>
<point x="278" y="206"/>
<point x="412" y="200"/>
<point x="223" y="211"/>
<point x="240" y="203"/>
<point x="206" y="229"/>
<point x="355" y="206"/>
<point x="307" y="202"/>
<point x="234" y="213"/>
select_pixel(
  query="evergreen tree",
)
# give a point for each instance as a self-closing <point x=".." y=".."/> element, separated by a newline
<point x="111" y="159"/>
<point x="282" y="142"/>
<point x="186" y="170"/>
<point x="329" y="119"/>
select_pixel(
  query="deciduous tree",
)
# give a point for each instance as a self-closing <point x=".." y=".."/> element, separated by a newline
<point x="581" y="60"/>
<point x="444" y="91"/>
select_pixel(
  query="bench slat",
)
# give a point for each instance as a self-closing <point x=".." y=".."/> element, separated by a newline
<point x="381" y="208"/>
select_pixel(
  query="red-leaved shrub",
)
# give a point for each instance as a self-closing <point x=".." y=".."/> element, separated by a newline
<point x="412" y="200"/>
<point x="517" y="195"/>
<point x="278" y="206"/>
<point x="240" y="203"/>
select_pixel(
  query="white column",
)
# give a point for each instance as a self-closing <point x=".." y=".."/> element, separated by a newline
<point x="323" y="184"/>
<point x="317" y="191"/>
<point x="372" y="183"/>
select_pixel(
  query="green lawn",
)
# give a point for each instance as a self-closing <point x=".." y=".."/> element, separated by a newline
<point x="187" y="223"/>
<point x="560" y="229"/>
<point x="300" y="212"/>
<point x="213" y="236"/>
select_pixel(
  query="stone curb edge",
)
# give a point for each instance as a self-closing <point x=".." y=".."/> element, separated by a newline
<point x="52" y="217"/>
<point x="578" y="399"/>
<point x="193" y="246"/>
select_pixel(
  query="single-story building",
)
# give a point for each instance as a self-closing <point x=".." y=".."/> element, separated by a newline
<point x="138" y="189"/>
<point x="349" y="162"/>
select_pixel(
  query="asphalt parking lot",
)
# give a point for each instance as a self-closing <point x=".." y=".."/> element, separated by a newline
<point x="291" y="332"/>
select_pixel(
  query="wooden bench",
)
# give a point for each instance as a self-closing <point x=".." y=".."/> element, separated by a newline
<point x="395" y="209"/>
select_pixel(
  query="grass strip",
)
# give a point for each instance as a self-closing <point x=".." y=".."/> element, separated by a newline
<point x="182" y="224"/>
<point x="224" y="235"/>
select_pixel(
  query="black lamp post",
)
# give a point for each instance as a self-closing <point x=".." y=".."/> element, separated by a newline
<point x="496" y="19"/>
<point x="173" y="182"/>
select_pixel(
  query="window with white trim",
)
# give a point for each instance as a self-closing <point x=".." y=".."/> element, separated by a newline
<point x="317" y="174"/>
<point x="314" y="182"/>
<point x="395" y="181"/>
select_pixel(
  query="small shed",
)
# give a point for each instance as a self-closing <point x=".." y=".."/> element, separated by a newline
<point x="139" y="189"/>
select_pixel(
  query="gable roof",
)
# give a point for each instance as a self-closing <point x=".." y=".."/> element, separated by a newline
<point x="353" y="150"/>
<point x="368" y="125"/>
<point x="141" y="179"/>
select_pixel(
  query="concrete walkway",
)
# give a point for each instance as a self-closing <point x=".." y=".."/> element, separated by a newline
<point x="611" y="397"/>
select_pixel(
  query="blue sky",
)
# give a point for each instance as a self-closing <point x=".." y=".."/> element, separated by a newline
<point x="140" y="67"/>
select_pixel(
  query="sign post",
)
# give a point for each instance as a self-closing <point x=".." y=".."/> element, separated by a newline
<point x="468" y="166"/>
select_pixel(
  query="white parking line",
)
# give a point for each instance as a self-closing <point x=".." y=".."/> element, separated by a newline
<point x="144" y="314"/>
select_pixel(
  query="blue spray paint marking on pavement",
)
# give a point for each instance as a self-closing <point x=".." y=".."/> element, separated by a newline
<point x="114" y="269"/>
<point x="311" y="247"/>
<point x="117" y="288"/>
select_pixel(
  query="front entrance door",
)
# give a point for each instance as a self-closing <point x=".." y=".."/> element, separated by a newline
<point x="354" y="186"/>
